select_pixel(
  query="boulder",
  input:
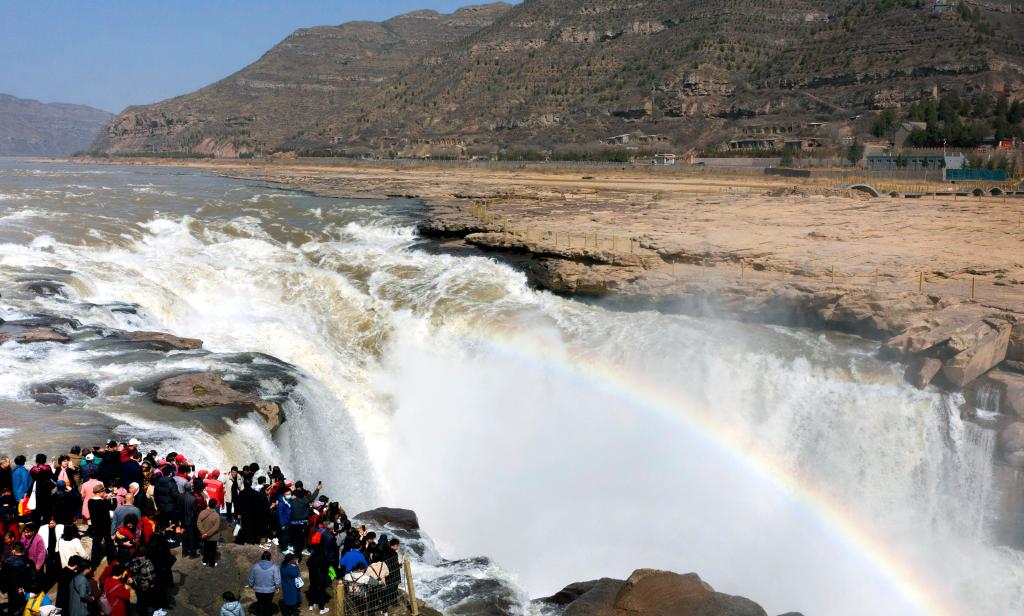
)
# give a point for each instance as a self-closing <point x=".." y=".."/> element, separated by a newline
<point x="1008" y="388"/>
<point x="404" y="519"/>
<point x="162" y="341"/>
<point x="59" y="392"/>
<point x="650" y="592"/>
<point x="27" y="335"/>
<point x="1011" y="444"/>
<point x="963" y="324"/>
<point x="978" y="355"/>
<point x="1015" y="350"/>
<point x="204" y="390"/>
<point x="46" y="288"/>
<point x="922" y="370"/>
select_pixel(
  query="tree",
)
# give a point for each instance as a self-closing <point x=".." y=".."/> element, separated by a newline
<point x="787" y="156"/>
<point x="854" y="153"/>
<point x="884" y="122"/>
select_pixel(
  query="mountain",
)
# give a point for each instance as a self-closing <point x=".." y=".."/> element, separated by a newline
<point x="670" y="74"/>
<point x="282" y="96"/>
<point x="31" y="128"/>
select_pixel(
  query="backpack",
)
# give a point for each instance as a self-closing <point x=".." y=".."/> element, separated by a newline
<point x="106" y="608"/>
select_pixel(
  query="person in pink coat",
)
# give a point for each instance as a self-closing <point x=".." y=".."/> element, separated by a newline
<point x="86" y="491"/>
<point x="35" y="547"/>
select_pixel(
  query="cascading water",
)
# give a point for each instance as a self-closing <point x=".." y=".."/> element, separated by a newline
<point x="564" y="440"/>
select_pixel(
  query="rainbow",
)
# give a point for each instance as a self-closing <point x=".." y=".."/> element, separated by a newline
<point x="850" y="532"/>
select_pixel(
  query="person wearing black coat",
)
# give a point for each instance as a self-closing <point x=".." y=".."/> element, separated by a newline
<point x="99" y="508"/>
<point x="18" y="574"/>
<point x="187" y="513"/>
<point x="165" y="493"/>
<point x="394" y="579"/>
<point x="158" y="553"/>
<point x="131" y="472"/>
<point x="319" y="580"/>
<point x="110" y="469"/>
<point x="67" y="504"/>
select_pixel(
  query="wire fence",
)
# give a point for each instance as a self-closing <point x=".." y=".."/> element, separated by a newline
<point x="966" y="282"/>
<point x="375" y="590"/>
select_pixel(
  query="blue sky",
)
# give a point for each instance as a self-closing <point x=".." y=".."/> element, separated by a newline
<point x="115" y="53"/>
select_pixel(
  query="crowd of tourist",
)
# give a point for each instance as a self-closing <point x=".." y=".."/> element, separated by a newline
<point x="86" y="531"/>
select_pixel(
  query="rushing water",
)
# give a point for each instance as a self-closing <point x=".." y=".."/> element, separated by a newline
<point x="564" y="440"/>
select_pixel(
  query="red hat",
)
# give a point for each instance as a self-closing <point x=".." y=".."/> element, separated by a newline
<point x="203" y="474"/>
<point x="181" y="459"/>
<point x="215" y="473"/>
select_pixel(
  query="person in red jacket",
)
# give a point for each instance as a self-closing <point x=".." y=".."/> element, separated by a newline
<point x="214" y="486"/>
<point x="115" y="589"/>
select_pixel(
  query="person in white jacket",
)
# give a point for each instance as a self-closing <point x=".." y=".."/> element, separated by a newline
<point x="69" y="544"/>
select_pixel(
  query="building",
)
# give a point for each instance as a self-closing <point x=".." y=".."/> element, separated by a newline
<point x="664" y="159"/>
<point x="889" y="161"/>
<point x="755" y="143"/>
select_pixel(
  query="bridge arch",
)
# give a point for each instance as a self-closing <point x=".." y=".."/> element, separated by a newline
<point x="865" y="188"/>
<point x="996" y="191"/>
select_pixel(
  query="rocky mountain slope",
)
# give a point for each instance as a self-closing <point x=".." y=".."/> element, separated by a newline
<point x="30" y="128"/>
<point x="557" y="72"/>
<point x="281" y="98"/>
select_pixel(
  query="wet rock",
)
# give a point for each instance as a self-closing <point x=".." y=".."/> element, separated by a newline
<point x="922" y="370"/>
<point x="404" y="519"/>
<point x="204" y="390"/>
<point x="979" y="355"/>
<point x="574" y="591"/>
<point x="1013" y="366"/>
<point x="1011" y="444"/>
<point x="61" y="391"/>
<point x="162" y="341"/>
<point x="1006" y="387"/>
<point x="47" y="288"/>
<point x="26" y="335"/>
<point x="650" y="592"/>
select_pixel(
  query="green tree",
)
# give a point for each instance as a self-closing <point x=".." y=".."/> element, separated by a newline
<point x="854" y="153"/>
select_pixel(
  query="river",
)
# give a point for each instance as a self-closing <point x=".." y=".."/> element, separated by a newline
<point x="564" y="440"/>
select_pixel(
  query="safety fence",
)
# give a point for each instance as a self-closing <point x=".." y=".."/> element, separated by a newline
<point x="967" y="282"/>
<point x="373" y="591"/>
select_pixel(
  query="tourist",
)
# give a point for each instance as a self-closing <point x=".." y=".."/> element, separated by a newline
<point x="158" y="552"/>
<point x="142" y="574"/>
<point x="89" y="468"/>
<point x="81" y="599"/>
<point x="357" y="583"/>
<point x="110" y="465"/>
<point x="21" y="481"/>
<point x="165" y="497"/>
<point x="319" y="581"/>
<point x="35" y="549"/>
<point x="64" y="580"/>
<point x="50" y="535"/>
<point x="187" y="514"/>
<point x="284" y="519"/>
<point x="18" y="573"/>
<point x="265" y="581"/>
<point x="208" y="525"/>
<point x="99" y="511"/>
<point x="232" y="487"/>
<point x="122" y="512"/>
<point x="291" y="595"/>
<point x="232" y="606"/>
<point x="67" y="504"/>
<point x="350" y="559"/>
<point x="394" y="577"/>
<point x="302" y="505"/>
<point x="70" y="544"/>
<point x="116" y="591"/>
<point x="126" y="539"/>
<point x="214" y="486"/>
<point x="6" y="482"/>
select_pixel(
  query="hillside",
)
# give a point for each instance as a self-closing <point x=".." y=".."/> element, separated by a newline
<point x="30" y="128"/>
<point x="282" y="96"/>
<point x="568" y="73"/>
